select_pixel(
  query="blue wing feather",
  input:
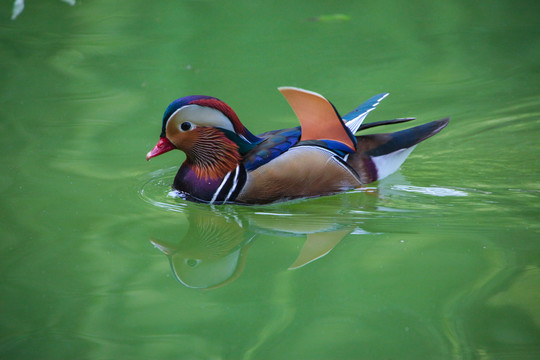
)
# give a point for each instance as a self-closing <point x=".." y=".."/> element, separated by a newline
<point x="355" y="118"/>
<point x="337" y="147"/>
<point x="274" y="144"/>
<point x="365" y="106"/>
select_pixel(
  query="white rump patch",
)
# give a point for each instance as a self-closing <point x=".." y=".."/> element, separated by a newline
<point x="389" y="163"/>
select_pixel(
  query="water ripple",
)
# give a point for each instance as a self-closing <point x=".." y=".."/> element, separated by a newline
<point x="434" y="191"/>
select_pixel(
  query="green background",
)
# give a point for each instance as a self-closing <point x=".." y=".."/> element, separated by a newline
<point x="438" y="261"/>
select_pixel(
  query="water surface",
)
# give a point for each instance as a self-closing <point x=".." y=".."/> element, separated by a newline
<point x="98" y="260"/>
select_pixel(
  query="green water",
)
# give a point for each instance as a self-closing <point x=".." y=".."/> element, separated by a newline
<point x="439" y="261"/>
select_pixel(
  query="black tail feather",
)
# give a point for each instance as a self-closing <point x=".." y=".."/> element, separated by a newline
<point x="384" y="122"/>
<point x="369" y="160"/>
<point x="381" y="144"/>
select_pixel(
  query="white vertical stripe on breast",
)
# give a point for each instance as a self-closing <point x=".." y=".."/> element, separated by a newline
<point x="219" y="188"/>
<point x="235" y="183"/>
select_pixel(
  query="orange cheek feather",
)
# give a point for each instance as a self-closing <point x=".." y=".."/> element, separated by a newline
<point x="183" y="140"/>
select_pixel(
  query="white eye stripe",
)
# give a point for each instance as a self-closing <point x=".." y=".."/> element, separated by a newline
<point x="201" y="116"/>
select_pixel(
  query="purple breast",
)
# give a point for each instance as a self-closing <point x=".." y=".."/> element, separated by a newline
<point x="201" y="189"/>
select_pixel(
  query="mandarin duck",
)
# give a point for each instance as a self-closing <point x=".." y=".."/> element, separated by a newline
<point x="226" y="163"/>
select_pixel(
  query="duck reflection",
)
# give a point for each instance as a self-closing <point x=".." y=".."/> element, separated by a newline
<point x="212" y="253"/>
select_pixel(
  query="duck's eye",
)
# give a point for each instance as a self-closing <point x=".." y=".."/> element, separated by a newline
<point x="192" y="262"/>
<point x="186" y="126"/>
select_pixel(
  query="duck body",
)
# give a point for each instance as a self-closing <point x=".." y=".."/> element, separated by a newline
<point x="225" y="163"/>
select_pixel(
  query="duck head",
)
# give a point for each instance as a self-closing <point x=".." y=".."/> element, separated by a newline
<point x="208" y="131"/>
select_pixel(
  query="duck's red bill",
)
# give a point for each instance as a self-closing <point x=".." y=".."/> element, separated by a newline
<point x="163" y="146"/>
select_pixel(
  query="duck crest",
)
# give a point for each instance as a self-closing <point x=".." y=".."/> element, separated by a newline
<point x="219" y="105"/>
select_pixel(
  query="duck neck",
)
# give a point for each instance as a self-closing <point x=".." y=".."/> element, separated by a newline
<point x="213" y="155"/>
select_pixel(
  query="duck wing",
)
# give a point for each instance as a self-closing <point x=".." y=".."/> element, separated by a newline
<point x="274" y="144"/>
<point x="319" y="119"/>
<point x="354" y="119"/>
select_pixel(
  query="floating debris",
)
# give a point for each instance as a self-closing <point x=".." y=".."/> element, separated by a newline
<point x="331" y="18"/>
<point x="18" y="7"/>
